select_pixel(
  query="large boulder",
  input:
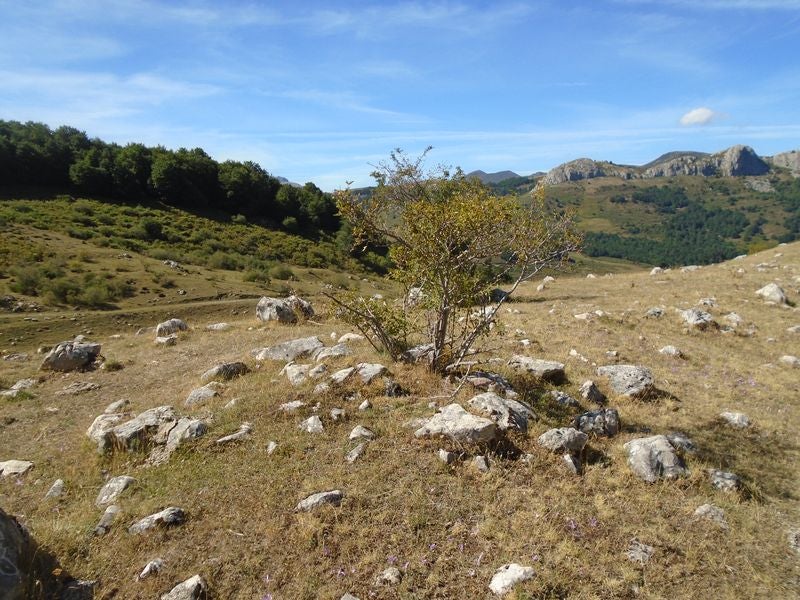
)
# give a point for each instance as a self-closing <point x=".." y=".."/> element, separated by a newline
<point x="507" y="413"/>
<point x="455" y="423"/>
<point x="15" y="546"/>
<point x="772" y="292"/>
<point x="543" y="369"/>
<point x="289" y="350"/>
<point x="654" y="457"/>
<point x="628" y="380"/>
<point x="71" y="356"/>
<point x="169" y="327"/>
<point x="275" y="309"/>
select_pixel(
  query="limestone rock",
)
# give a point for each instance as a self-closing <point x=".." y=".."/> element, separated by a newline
<point x="711" y="513"/>
<point x="70" y="356"/>
<point x="350" y="337"/>
<point x="275" y="309"/>
<point x="698" y="319"/>
<point x="336" y="351"/>
<point x="225" y="372"/>
<point x="360" y="432"/>
<point x="166" y="340"/>
<point x="169" y="516"/>
<point x="12" y="468"/>
<point x="193" y="588"/>
<point x="356" y="453"/>
<point x="107" y="520"/>
<point x="153" y="566"/>
<point x="628" y="380"/>
<point x="300" y="306"/>
<point x="342" y="375"/>
<point x="680" y="441"/>
<point x="135" y="432"/>
<point x="789" y="360"/>
<point x="296" y="374"/>
<point x="772" y="292"/>
<point x="170" y="326"/>
<point x="591" y="393"/>
<point x="369" y="371"/>
<point x="736" y="419"/>
<point x="242" y="433"/>
<point x="564" y="399"/>
<point x="654" y="313"/>
<point x="455" y="423"/>
<point x="598" y="422"/>
<point x="115" y="407"/>
<point x="390" y="576"/>
<point x="724" y="480"/>
<point x="446" y="456"/>
<point x="200" y="395"/>
<point x="654" y="457"/>
<point x="112" y="489"/>
<point x="508" y="414"/>
<point x="481" y="463"/>
<point x="671" y="351"/>
<point x="15" y="550"/>
<point x="218" y="327"/>
<point x="639" y="552"/>
<point x="314" y="501"/>
<point x="543" y="369"/>
<point x="312" y="425"/>
<point x="56" y="490"/>
<point x="491" y="382"/>
<point x="99" y="430"/>
<point x="563" y="439"/>
<point x="293" y="406"/>
<point x="508" y="576"/>
<point x="289" y="350"/>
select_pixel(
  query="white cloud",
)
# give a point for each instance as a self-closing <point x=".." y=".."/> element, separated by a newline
<point x="698" y="116"/>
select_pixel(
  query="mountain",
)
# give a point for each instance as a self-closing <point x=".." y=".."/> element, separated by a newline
<point x="493" y="177"/>
<point x="736" y="161"/>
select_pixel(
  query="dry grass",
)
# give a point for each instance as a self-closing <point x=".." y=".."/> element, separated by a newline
<point x="446" y="528"/>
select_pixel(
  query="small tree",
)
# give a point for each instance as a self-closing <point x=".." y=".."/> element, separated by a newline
<point x="452" y="242"/>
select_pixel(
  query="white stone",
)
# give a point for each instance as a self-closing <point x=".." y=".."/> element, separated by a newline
<point x="508" y="576"/>
<point x="112" y="489"/>
<point x="654" y="457"/>
<point x="12" y="467"/>
<point x="193" y="588"/>
<point x="736" y="419"/>
<point x="772" y="292"/>
<point x="333" y="497"/>
<point x="455" y="423"/>
<point x="361" y="432"/>
<point x="312" y="425"/>
<point x="152" y="567"/>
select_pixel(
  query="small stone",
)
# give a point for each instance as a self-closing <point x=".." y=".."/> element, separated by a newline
<point x="591" y="393"/>
<point x="166" y="340"/>
<point x="170" y="327"/>
<point x="789" y="360"/>
<point x="56" y="490"/>
<point x="116" y="407"/>
<point x="218" y="327"/>
<point x="193" y="588"/>
<point x="337" y="414"/>
<point x="572" y="462"/>
<point x="15" y="467"/>
<point x="724" y="480"/>
<point x="350" y="337"/>
<point x="736" y="419"/>
<point x="312" y="425"/>
<point x="481" y="463"/>
<point x="200" y="395"/>
<point x="699" y="319"/>
<point x="365" y="405"/>
<point x="369" y="371"/>
<point x="543" y="369"/>
<point x="152" y="567"/>
<point x="508" y="576"/>
<point x="603" y="422"/>
<point x="671" y="351"/>
<point x="563" y="439"/>
<point x="271" y="447"/>
<point x="639" y="552"/>
<point x="564" y="399"/>
<point x="391" y="576"/>
<point x="339" y="377"/>
<point x="169" y="516"/>
<point x="654" y="457"/>
<point x="314" y="501"/>
<point x="455" y="423"/>
<point x="356" y="453"/>
<point x="244" y="431"/>
<point x="225" y="372"/>
<point x="446" y="456"/>
<point x="680" y="441"/>
<point x="361" y="432"/>
<point x="711" y="513"/>
<point x="112" y="489"/>
<point x="107" y="520"/>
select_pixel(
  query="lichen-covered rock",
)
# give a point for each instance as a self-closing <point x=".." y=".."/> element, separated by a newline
<point x="170" y="326"/>
<point x="289" y="350"/>
<point x="314" y="501"/>
<point x="275" y="309"/>
<point x="455" y="423"/>
<point x="193" y="588"/>
<point x="71" y="356"/>
<point x="225" y="372"/>
<point x="507" y="413"/>
<point x="300" y="306"/>
<point x="563" y="439"/>
<point x="112" y="489"/>
<point x="628" y="380"/>
<point x="336" y="351"/>
<point x="772" y="292"/>
<point x="603" y="422"/>
<point x="698" y="319"/>
<point x="543" y="369"/>
<point x="654" y="457"/>
<point x="508" y="576"/>
<point x="169" y="516"/>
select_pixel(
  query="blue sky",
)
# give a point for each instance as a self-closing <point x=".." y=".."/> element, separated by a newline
<point x="319" y="91"/>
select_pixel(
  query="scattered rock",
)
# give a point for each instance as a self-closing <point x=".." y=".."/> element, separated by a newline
<point x="392" y="389"/>
<point x="508" y="576"/>
<point x="225" y="372"/>
<point x="390" y="576"/>
<point x="671" y="351"/>
<point x="289" y="350"/>
<point x="193" y="588"/>
<point x="218" y="327"/>
<point x="365" y="405"/>
<point x="296" y="374"/>
<point x="342" y="375"/>
<point x="168" y="340"/>
<point x="360" y="432"/>
<point x="680" y="441"/>
<point x="564" y="399"/>
<point x="446" y="456"/>
<point x="711" y="513"/>
<point x="736" y="419"/>
<point x="350" y="337"/>
<point x="11" y="468"/>
<point x="170" y="327"/>
<point x="543" y="369"/>
<point x="791" y="361"/>
<point x="772" y="292"/>
<point x="418" y="353"/>
<point x="628" y="380"/>
<point x="698" y="319"/>
<point x="271" y="447"/>
<point x="300" y="306"/>
<point x="603" y="422"/>
<point x="135" y="432"/>
<point x="71" y="356"/>
<point x="275" y="309"/>
<point x="733" y="319"/>
<point x="654" y="313"/>
<point x="491" y="382"/>
<point x="793" y="537"/>
<point x="56" y="490"/>
<point x="112" y="489"/>
<point x="369" y="371"/>
<point x="200" y="395"/>
<point x="312" y="425"/>
<point x="656" y="271"/>
<point x="653" y="457"/>
<point x="724" y="480"/>
<point x="508" y="414"/>
<point x="314" y="501"/>
<point x="107" y="520"/>
<point x="337" y="414"/>
<point x="639" y="552"/>
<point x="20" y="386"/>
<point x="152" y="567"/>
<point x="481" y="463"/>
<point x="169" y="516"/>
<point x="455" y="423"/>
<point x="590" y="392"/>
<point x="78" y="387"/>
<point x="116" y="407"/>
<point x="244" y="430"/>
<point x="336" y="351"/>
<point x="573" y="463"/>
<point x="356" y="453"/>
<point x="793" y="329"/>
<point x="564" y="439"/>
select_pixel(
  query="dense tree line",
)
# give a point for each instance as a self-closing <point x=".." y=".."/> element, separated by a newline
<point x="65" y="158"/>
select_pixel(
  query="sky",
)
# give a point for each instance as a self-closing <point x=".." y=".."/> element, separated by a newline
<point x="324" y="91"/>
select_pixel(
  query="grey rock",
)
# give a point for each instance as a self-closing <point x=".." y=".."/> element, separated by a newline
<point x="170" y="326"/>
<point x="793" y="329"/>
<point x="671" y="351"/>
<point x="312" y="425"/>
<point x="390" y="576"/>
<point x="71" y="356"/>
<point x="152" y="567"/>
<point x="508" y="576"/>
<point x="392" y="389"/>
<point x="337" y="414"/>
<point x="446" y="456"/>
<point x="78" y="387"/>
<point x="724" y="480"/>
<point x="698" y="319"/>
<point x="169" y="516"/>
<point x="116" y="407"/>
<point x="418" y="354"/>
<point x="360" y="432"/>
<point x="332" y="352"/>
<point x="100" y="429"/>
<point x="356" y="453"/>
<point x="107" y="520"/>
<point x="772" y="292"/>
<point x="481" y="463"/>
<point x="654" y="313"/>
<point x="628" y="380"/>
<point x="543" y="369"/>
<point x="112" y="489"/>
<point x="639" y="552"/>
<point x="350" y="337"/>
<point x="508" y="414"/>
<point x="793" y="536"/>
<point x="293" y="406"/>
<point x="242" y="433"/>
<point x="369" y="371"/>
<point x="563" y="439"/>
<point x="491" y="382"/>
<point x="349" y="596"/>
<point x="15" y="468"/>
<point x="296" y="374"/>
<point x="711" y="513"/>
<point x="166" y="340"/>
<point x="171" y="435"/>
<point x="733" y="319"/>
<point x="289" y="350"/>
<point x="193" y="588"/>
<point x="680" y="441"/>
<point x="790" y="360"/>
<point x="225" y="372"/>
<point x="603" y="422"/>
<point x="572" y="462"/>
<point x="56" y="490"/>
<point x="271" y="447"/>
<point x="654" y="457"/>
<point x="342" y="375"/>
<point x="275" y="309"/>
<point x="218" y="327"/>
<point x="591" y="393"/>
<point x="135" y="432"/>
<point x="564" y="399"/>
<point x="200" y="395"/>
<point x="736" y="419"/>
<point x="365" y="405"/>
<point x="455" y="423"/>
<point x="300" y="306"/>
<point x="314" y="501"/>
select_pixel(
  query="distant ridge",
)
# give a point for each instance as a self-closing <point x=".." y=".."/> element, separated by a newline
<point x="492" y="177"/>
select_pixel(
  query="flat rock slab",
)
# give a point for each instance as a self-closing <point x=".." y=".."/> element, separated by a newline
<point x="336" y="351"/>
<point x="112" y="489"/>
<point x="604" y="422"/>
<point x="289" y="350"/>
<point x="70" y="356"/>
<point x="736" y="419"/>
<point x="563" y="439"/>
<point x="369" y="371"/>
<point x="225" y="372"/>
<point x="314" y="501"/>
<point x="654" y="457"/>
<point x="543" y="369"/>
<point x="711" y="513"/>
<point x="507" y="413"/>
<point x="193" y="588"/>
<point x="135" y="432"/>
<point x="455" y="423"/>
<point x="12" y="467"/>
<point x="725" y="481"/>
<point x="508" y="576"/>
<point x="628" y="380"/>
<point x="169" y="516"/>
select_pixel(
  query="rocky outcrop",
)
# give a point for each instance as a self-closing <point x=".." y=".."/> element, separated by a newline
<point x="653" y="458"/>
<point x="628" y="380"/>
<point x="71" y="356"/>
<point x="786" y="160"/>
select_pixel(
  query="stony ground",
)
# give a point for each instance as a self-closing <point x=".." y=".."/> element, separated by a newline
<point x="407" y="524"/>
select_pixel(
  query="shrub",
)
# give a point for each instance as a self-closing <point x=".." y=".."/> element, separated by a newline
<point x="281" y="272"/>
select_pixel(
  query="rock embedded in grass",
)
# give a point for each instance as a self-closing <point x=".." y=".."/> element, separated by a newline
<point x="548" y="370"/>
<point x="193" y="588"/>
<point x="200" y="395"/>
<point x="289" y="350"/>
<point x="508" y="414"/>
<point x="671" y="351"/>
<point x="170" y="326"/>
<point x="735" y="419"/>
<point x="169" y="516"/>
<point x="107" y="520"/>
<point x="604" y="422"/>
<point x="632" y="381"/>
<point x="312" y="425"/>
<point x="225" y="372"/>
<point x="356" y="453"/>
<point x="508" y="576"/>
<point x="71" y="356"/>
<point x="242" y="433"/>
<point x="112" y="489"/>
<point x="15" y="468"/>
<point x="654" y="457"/>
<point x="724" y="480"/>
<point x="314" y="501"/>
<point x="591" y="393"/>
<point x="711" y="513"/>
<point x="152" y="567"/>
<point x="56" y="490"/>
<point x="336" y="351"/>
<point x="773" y="293"/>
<point x="563" y="439"/>
<point x="455" y="423"/>
<point x="639" y="552"/>
<point x="390" y="576"/>
<point x="360" y="432"/>
<point x="369" y="371"/>
<point x="697" y="319"/>
<point x="790" y="361"/>
<point x="166" y="340"/>
<point x="275" y="309"/>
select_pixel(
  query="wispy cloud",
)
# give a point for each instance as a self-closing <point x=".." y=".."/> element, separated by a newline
<point x="350" y="102"/>
<point x="699" y="116"/>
